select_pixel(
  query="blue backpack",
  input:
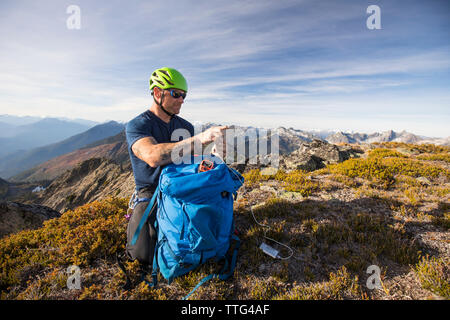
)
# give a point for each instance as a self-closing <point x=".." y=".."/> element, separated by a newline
<point x="194" y="219"/>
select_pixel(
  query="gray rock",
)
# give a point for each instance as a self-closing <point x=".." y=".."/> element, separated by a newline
<point x="424" y="181"/>
<point x="314" y="155"/>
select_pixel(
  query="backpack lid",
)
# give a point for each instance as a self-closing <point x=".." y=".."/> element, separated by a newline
<point x="183" y="181"/>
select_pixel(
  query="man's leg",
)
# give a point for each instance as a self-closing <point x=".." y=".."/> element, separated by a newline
<point x="144" y="247"/>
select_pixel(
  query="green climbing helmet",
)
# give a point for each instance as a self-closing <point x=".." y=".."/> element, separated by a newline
<point x="167" y="78"/>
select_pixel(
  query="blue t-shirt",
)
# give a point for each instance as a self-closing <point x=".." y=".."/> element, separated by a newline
<point x="147" y="124"/>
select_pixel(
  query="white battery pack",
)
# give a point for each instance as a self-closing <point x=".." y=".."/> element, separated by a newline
<point x="269" y="250"/>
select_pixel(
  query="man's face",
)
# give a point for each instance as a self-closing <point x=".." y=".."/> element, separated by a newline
<point x="170" y="103"/>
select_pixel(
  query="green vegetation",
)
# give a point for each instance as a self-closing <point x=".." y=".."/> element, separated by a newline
<point x="401" y="178"/>
<point x="434" y="274"/>
<point x="383" y="171"/>
<point x="413" y="148"/>
<point x="435" y="157"/>
<point x="395" y="190"/>
<point x="79" y="237"/>
<point x="294" y="181"/>
<point x="384" y="153"/>
<point x="340" y="285"/>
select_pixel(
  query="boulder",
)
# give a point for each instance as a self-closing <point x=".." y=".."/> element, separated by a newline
<point x="314" y="155"/>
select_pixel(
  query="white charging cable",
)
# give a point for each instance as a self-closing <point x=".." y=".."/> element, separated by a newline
<point x="274" y="253"/>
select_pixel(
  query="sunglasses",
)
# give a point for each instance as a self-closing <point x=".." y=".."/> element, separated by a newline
<point x="176" y="94"/>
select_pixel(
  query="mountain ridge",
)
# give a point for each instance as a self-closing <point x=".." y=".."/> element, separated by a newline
<point x="18" y="162"/>
<point x="290" y="139"/>
<point x="113" y="148"/>
<point x="385" y="136"/>
<point x="37" y="134"/>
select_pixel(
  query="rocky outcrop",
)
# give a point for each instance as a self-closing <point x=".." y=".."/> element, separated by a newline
<point x="15" y="217"/>
<point x="309" y="156"/>
<point x="300" y="161"/>
<point x="315" y="155"/>
<point x="91" y="180"/>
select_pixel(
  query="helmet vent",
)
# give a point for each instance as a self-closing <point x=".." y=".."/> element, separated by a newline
<point x="165" y="72"/>
<point x="167" y="77"/>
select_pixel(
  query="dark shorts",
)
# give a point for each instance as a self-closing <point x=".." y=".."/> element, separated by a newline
<point x="144" y="247"/>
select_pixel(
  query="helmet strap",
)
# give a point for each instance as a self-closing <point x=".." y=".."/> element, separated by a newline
<point x="171" y="115"/>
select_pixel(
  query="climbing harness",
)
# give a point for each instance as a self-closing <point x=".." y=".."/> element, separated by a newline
<point x="134" y="200"/>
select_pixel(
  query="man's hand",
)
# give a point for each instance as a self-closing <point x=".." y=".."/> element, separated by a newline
<point x="211" y="134"/>
<point x="158" y="154"/>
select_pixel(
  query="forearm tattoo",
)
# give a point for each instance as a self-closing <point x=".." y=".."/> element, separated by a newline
<point x="181" y="148"/>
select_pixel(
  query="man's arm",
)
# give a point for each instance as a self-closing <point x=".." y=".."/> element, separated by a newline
<point x="157" y="154"/>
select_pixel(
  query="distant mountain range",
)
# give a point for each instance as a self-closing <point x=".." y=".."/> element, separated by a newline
<point x="107" y="141"/>
<point x="386" y="136"/>
<point x="24" y="120"/>
<point x="113" y="148"/>
<point x="36" y="134"/>
<point x="19" y="161"/>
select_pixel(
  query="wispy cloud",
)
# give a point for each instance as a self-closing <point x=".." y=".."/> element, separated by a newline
<point x="257" y="61"/>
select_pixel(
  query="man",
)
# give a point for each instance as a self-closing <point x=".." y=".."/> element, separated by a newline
<point x="150" y="148"/>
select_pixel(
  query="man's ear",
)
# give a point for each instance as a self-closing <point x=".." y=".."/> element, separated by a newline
<point x="157" y="92"/>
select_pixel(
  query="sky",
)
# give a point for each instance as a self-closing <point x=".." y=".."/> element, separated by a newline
<point x="306" y="64"/>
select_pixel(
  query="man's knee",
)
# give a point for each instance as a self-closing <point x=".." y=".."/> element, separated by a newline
<point x="143" y="249"/>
